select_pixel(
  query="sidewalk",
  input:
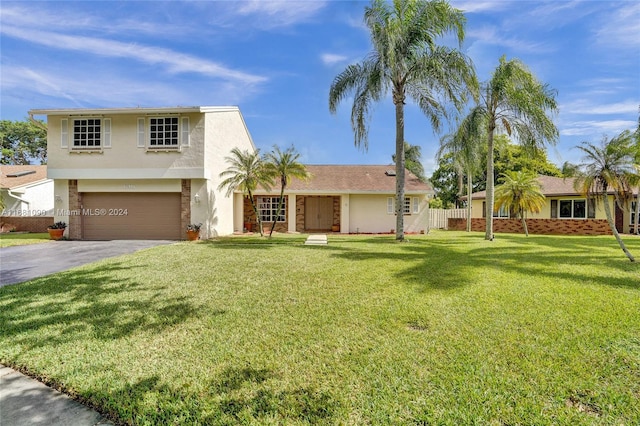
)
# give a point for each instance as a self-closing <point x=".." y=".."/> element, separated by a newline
<point x="25" y="401"/>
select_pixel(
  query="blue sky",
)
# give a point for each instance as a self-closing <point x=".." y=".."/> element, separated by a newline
<point x="276" y="61"/>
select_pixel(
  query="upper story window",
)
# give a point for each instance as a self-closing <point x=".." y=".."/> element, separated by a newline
<point x="87" y="133"/>
<point x="163" y="133"/>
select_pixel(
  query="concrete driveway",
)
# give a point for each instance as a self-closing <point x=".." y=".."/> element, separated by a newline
<point x="24" y="263"/>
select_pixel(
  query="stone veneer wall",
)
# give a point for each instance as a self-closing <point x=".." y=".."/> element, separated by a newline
<point x="185" y="206"/>
<point x="25" y="223"/>
<point x="249" y="215"/>
<point x="75" y="203"/>
<point x="537" y="226"/>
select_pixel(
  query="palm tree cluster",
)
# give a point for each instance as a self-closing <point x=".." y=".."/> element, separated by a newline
<point x="248" y="171"/>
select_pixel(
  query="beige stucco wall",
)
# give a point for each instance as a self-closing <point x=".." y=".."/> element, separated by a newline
<point x="223" y="130"/>
<point x="368" y="214"/>
<point x="124" y="159"/>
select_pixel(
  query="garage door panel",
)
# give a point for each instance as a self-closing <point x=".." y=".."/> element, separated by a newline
<point x="131" y="216"/>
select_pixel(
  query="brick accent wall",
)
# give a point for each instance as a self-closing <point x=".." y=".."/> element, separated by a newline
<point x="29" y="224"/>
<point x="75" y="202"/>
<point x="537" y="226"/>
<point x="185" y="206"/>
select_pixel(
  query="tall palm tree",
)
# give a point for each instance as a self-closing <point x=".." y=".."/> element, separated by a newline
<point x="246" y="172"/>
<point x="513" y="101"/>
<point x="606" y="169"/>
<point x="284" y="165"/>
<point x="413" y="160"/>
<point x="466" y="147"/>
<point x="520" y="192"/>
<point x="406" y="61"/>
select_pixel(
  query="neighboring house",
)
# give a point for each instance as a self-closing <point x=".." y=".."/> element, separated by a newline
<point x="27" y="196"/>
<point x="566" y="212"/>
<point x="142" y="173"/>
<point x="343" y="198"/>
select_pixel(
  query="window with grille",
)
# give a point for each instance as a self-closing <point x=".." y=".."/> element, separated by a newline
<point x="87" y="133"/>
<point x="268" y="209"/>
<point x="163" y="132"/>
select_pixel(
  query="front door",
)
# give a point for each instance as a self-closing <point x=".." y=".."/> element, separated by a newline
<point x="318" y="213"/>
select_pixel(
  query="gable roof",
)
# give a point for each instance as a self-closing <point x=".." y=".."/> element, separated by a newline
<point x="356" y="179"/>
<point x="16" y="176"/>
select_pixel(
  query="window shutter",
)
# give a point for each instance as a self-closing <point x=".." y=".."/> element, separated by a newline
<point x="107" y="133"/>
<point x="64" y="133"/>
<point x="185" y="131"/>
<point x="141" y="134"/>
<point x="484" y="209"/>
<point x="390" y="205"/>
<point x="554" y="209"/>
<point x="416" y="205"/>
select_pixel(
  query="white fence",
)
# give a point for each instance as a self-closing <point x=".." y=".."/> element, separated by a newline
<point x="439" y="218"/>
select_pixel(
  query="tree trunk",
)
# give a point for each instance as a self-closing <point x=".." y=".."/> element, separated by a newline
<point x="280" y="203"/>
<point x="612" y="225"/>
<point x="399" y="103"/>
<point x="469" y="189"/>
<point x="488" y="235"/>
<point x="252" y="200"/>
<point x="524" y="224"/>
<point x="637" y="225"/>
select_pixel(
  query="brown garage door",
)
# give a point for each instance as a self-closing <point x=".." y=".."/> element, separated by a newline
<point x="131" y="216"/>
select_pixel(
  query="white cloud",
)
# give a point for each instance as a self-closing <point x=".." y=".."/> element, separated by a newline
<point x="597" y="108"/>
<point x="332" y="58"/>
<point x="492" y="36"/>
<point x="278" y="13"/>
<point x="175" y="62"/>
<point x="480" y="6"/>
<point x="621" y="27"/>
<point x="596" y="128"/>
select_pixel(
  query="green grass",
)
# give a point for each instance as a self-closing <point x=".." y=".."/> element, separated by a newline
<point x="19" y="239"/>
<point x="445" y="329"/>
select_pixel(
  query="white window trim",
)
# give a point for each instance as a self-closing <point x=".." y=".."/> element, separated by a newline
<point x="144" y="134"/>
<point x="272" y="205"/>
<point x="89" y="149"/>
<point x="408" y="209"/>
<point x="573" y="200"/>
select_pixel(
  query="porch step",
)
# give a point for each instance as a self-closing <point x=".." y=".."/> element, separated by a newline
<point x="316" y="240"/>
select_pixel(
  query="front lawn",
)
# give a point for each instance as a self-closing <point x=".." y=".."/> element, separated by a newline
<point x="445" y="329"/>
<point x="19" y="239"/>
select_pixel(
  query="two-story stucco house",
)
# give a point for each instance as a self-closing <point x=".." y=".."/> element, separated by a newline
<point x="142" y="173"/>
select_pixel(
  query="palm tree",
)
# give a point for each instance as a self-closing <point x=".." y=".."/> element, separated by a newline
<point x="466" y="146"/>
<point x="412" y="160"/>
<point x="520" y="192"/>
<point x="407" y="62"/>
<point x="604" y="168"/>
<point x="515" y="102"/>
<point x="246" y="173"/>
<point x="284" y="165"/>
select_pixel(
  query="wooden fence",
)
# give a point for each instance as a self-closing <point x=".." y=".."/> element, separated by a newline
<point x="439" y="218"/>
